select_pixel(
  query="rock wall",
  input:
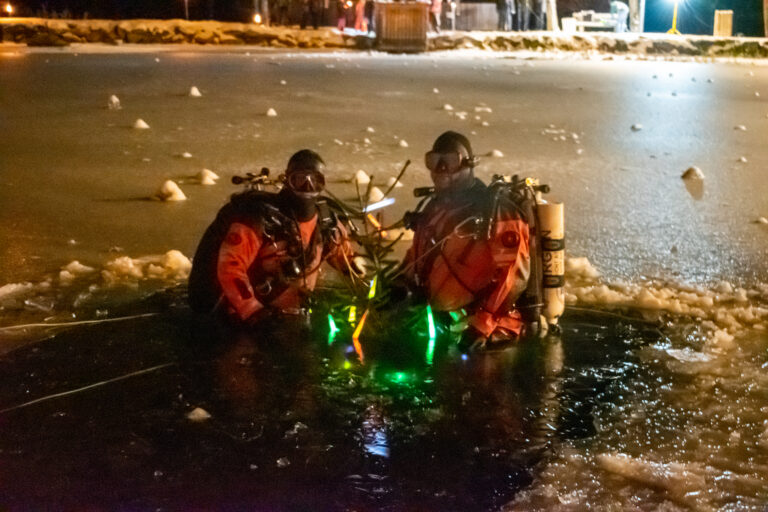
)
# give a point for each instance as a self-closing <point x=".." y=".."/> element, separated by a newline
<point x="40" y="32"/>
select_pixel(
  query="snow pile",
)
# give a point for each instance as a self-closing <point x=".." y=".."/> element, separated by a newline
<point x="198" y="414"/>
<point x="207" y="177"/>
<point x="113" y="103"/>
<point x="393" y="182"/>
<point x="361" y="178"/>
<point x="170" y="191"/>
<point x="693" y="173"/>
<point x="375" y="195"/>
<point x="194" y="92"/>
<point x="140" y="124"/>
<point x="271" y="113"/>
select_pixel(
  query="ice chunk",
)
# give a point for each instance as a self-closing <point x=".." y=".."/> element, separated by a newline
<point x="721" y="340"/>
<point x="12" y="290"/>
<point x="637" y="127"/>
<point x="483" y="109"/>
<point x="283" y="82"/>
<point x="693" y="173"/>
<point x="170" y="191"/>
<point x="686" y="355"/>
<point x="376" y="195"/>
<point x="675" y="478"/>
<point x="198" y="414"/>
<point x="114" y="103"/>
<point x="366" y="141"/>
<point x="743" y="159"/>
<point x="338" y="142"/>
<point x="757" y="94"/>
<point x="740" y="127"/>
<point x="75" y="267"/>
<point x="581" y="267"/>
<point x="485" y="123"/>
<point x="361" y="178"/>
<point x="370" y="129"/>
<point x="448" y="107"/>
<point x="194" y="92"/>
<point x="207" y="177"/>
<point x="403" y="143"/>
<point x="175" y="264"/>
<point x="140" y="124"/>
<point x="157" y="59"/>
<point x="724" y="287"/>
<point x="761" y="220"/>
<point x="271" y="113"/>
<point x="283" y="462"/>
<point x="122" y="266"/>
<point x="186" y="154"/>
<point x="436" y="90"/>
<point x="579" y="151"/>
<point x="393" y="182"/>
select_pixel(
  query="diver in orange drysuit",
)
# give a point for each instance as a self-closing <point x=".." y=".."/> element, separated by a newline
<point x="465" y="256"/>
<point x="263" y="253"/>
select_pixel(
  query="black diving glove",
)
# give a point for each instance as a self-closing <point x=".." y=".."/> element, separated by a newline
<point x="471" y="340"/>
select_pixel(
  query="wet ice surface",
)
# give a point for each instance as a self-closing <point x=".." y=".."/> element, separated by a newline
<point x="72" y="169"/>
<point x="612" y="414"/>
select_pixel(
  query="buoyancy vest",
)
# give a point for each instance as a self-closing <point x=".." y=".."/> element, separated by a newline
<point x="264" y="212"/>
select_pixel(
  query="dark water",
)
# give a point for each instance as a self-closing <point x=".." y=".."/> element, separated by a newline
<point x="297" y="421"/>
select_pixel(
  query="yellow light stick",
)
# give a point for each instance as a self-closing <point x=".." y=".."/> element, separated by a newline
<point x="356" y="336"/>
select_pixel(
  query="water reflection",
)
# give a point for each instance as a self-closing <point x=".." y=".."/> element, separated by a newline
<point x="298" y="423"/>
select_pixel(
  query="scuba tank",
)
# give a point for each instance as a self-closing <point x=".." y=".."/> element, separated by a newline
<point x="552" y="225"/>
<point x="544" y="294"/>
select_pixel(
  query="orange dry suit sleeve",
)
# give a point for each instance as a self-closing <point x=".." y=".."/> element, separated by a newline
<point x="510" y="246"/>
<point x="236" y="255"/>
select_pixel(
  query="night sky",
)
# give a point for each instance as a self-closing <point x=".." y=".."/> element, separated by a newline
<point x="695" y="16"/>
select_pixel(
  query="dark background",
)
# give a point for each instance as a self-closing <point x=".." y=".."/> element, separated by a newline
<point x="695" y="16"/>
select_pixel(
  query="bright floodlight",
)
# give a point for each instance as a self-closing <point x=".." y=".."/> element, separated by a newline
<point x="674" y="30"/>
<point x="9" y="9"/>
<point x="257" y="18"/>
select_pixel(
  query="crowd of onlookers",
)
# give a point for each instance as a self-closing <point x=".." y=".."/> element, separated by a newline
<point x="359" y="14"/>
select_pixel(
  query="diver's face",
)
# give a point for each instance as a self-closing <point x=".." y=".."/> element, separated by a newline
<point x="449" y="170"/>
